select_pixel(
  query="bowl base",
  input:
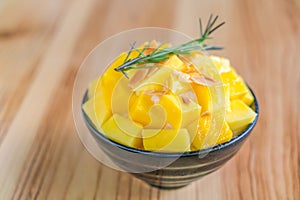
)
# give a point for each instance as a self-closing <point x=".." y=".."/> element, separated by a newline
<point x="162" y="187"/>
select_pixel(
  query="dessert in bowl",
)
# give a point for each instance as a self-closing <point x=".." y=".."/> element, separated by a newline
<point x="170" y="114"/>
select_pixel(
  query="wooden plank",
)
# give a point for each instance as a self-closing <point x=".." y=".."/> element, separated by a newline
<point x="26" y="124"/>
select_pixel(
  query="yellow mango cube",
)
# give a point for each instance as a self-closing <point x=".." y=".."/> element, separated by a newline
<point x="237" y="86"/>
<point x="177" y="86"/>
<point x="226" y="88"/>
<point x="149" y="88"/>
<point x="110" y="77"/>
<point x="93" y="88"/>
<point x="226" y="134"/>
<point x="172" y="106"/>
<point x="121" y="95"/>
<point x="192" y="129"/>
<point x="123" y="131"/>
<point x="248" y="98"/>
<point x="203" y="96"/>
<point x="159" y="77"/>
<point x="190" y="112"/>
<point x="222" y="64"/>
<point x="240" y="116"/>
<point x="175" y="63"/>
<point x="97" y="110"/>
<point x="158" y="117"/>
<point x="166" y="140"/>
<point x="139" y="109"/>
<point x="204" y="138"/>
<point x="212" y="98"/>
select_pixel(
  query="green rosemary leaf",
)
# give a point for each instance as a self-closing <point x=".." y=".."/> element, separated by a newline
<point x="142" y="67"/>
<point x="158" y="55"/>
<point x="130" y="51"/>
<point x="157" y="48"/>
<point x="125" y="74"/>
<point x="141" y="52"/>
<point x="218" y="26"/>
<point x="201" y="31"/>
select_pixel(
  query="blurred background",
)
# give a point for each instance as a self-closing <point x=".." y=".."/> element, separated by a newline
<point x="43" y="43"/>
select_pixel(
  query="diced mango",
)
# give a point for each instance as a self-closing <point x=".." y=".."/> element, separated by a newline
<point x="190" y="112"/>
<point x="192" y="129"/>
<point x="139" y="110"/>
<point x="166" y="140"/>
<point x="226" y="134"/>
<point x="159" y="77"/>
<point x="92" y="91"/>
<point x="177" y="86"/>
<point x="212" y="98"/>
<point x="158" y="117"/>
<point x="203" y="138"/>
<point x="226" y="88"/>
<point x="121" y="94"/>
<point x="171" y="104"/>
<point x="110" y="77"/>
<point x="203" y="96"/>
<point x="156" y="112"/>
<point x="240" y="116"/>
<point x="123" y="131"/>
<point x="222" y="64"/>
<point x="175" y="63"/>
<point x="201" y="132"/>
<point x="248" y="98"/>
<point x="204" y="65"/>
<point x="150" y="88"/>
<point x="237" y="86"/>
<point x="97" y="110"/>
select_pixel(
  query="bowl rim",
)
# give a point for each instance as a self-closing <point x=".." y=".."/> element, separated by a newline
<point x="215" y="148"/>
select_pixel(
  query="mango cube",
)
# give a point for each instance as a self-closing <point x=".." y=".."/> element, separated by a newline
<point x="159" y="77"/>
<point x="123" y="131"/>
<point x="158" y="117"/>
<point x="150" y="88"/>
<point x="248" y="98"/>
<point x="97" y="110"/>
<point x="177" y="86"/>
<point x="203" y="138"/>
<point x="240" y="116"/>
<point x="237" y="86"/>
<point x="166" y="140"/>
<point x="190" y="112"/>
<point x="110" y="77"/>
<point x="175" y="63"/>
<point x="222" y="64"/>
<point x="226" y="134"/>
<point x="139" y="109"/>
<point x="121" y="95"/>
<point x="226" y="88"/>
<point x="171" y="104"/>
<point x="93" y="88"/>
<point x="203" y="96"/>
<point x="192" y="129"/>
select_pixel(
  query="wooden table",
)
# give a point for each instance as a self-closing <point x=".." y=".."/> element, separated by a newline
<point x="43" y="43"/>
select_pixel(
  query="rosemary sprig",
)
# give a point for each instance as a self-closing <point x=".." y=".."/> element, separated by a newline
<point x="158" y="54"/>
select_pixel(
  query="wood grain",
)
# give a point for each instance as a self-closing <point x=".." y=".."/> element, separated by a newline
<point x="43" y="43"/>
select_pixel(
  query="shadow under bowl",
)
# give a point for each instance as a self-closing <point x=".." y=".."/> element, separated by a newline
<point x="170" y="170"/>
